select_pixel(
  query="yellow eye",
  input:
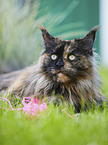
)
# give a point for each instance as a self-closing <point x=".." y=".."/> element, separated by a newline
<point x="71" y="57"/>
<point x="53" y="56"/>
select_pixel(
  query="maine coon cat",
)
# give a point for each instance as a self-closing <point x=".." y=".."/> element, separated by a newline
<point x="66" y="67"/>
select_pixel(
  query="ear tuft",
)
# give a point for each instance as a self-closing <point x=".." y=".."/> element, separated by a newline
<point x="42" y="28"/>
<point x="96" y="28"/>
<point x="44" y="31"/>
<point x="46" y="36"/>
<point x="92" y="33"/>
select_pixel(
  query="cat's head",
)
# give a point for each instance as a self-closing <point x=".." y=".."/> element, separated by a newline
<point x="68" y="61"/>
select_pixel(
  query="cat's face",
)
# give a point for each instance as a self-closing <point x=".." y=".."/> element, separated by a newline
<point x="68" y="61"/>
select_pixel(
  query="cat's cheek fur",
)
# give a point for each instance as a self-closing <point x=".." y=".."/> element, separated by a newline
<point x="85" y="62"/>
<point x="45" y="58"/>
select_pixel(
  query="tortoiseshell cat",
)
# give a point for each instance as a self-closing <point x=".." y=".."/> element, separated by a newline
<point x="66" y="67"/>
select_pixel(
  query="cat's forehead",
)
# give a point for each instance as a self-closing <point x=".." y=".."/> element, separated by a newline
<point x="66" y="45"/>
<point x="69" y="45"/>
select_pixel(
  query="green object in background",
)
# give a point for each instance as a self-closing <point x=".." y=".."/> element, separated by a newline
<point x="88" y="12"/>
<point x="84" y="14"/>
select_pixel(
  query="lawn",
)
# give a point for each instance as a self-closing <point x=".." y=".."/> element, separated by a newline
<point x="55" y="127"/>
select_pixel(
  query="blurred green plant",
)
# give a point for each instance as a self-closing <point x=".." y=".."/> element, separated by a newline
<point x="20" y="37"/>
<point x="17" y="36"/>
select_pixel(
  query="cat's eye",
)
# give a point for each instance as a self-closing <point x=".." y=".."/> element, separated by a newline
<point x="53" y="56"/>
<point x="71" y="57"/>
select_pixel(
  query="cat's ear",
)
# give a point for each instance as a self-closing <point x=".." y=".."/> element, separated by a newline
<point x="92" y="33"/>
<point x="87" y="42"/>
<point x="48" y="39"/>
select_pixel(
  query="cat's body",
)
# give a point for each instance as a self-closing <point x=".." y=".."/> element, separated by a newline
<point x="66" y="67"/>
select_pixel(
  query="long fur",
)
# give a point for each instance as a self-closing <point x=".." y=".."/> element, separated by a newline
<point x="33" y="81"/>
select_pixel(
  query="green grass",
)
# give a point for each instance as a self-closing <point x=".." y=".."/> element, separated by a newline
<point x="54" y="127"/>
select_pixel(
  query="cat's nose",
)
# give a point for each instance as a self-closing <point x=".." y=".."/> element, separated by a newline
<point x="59" y="64"/>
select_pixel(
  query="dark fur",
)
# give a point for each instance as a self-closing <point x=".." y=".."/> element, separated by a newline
<point x="77" y="80"/>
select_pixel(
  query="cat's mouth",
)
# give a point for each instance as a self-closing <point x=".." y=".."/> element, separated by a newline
<point x="61" y="77"/>
<point x="54" y="72"/>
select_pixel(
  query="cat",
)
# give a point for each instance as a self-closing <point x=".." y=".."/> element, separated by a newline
<point x="65" y="67"/>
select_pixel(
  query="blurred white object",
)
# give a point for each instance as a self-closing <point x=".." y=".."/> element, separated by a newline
<point x="104" y="31"/>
